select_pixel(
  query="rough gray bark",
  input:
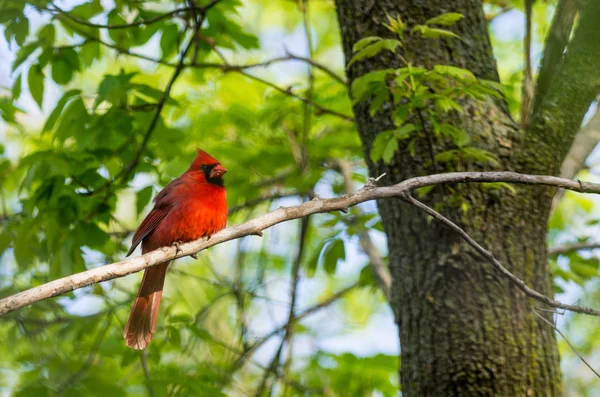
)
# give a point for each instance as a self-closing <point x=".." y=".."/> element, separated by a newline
<point x="464" y="330"/>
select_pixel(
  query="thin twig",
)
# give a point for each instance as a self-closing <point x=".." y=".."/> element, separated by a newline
<point x="73" y="379"/>
<point x="568" y="343"/>
<point x="490" y="258"/>
<point x="318" y="108"/>
<point x="161" y="103"/>
<point x="146" y="369"/>
<point x="144" y="22"/>
<point x="379" y="269"/>
<point x="305" y="313"/>
<point x="568" y="248"/>
<point x="289" y="326"/>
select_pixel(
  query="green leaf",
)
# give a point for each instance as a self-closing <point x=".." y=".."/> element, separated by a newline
<point x="90" y="52"/>
<point x="462" y="138"/>
<point x="422" y="191"/>
<point x="457" y="73"/>
<point x="446" y="104"/>
<point x="404" y="131"/>
<point x="368" y="84"/>
<point x="381" y="97"/>
<point x="333" y="254"/>
<point x="395" y="25"/>
<point x="92" y="236"/>
<point x="373" y="49"/>
<point x="143" y="198"/>
<point x="65" y="64"/>
<point x="23" y="247"/>
<point x="447" y="19"/>
<point x="16" y="88"/>
<point x="313" y="262"/>
<point x="8" y="112"/>
<point x="583" y="268"/>
<point x="47" y="35"/>
<point x="480" y="155"/>
<point x="384" y="146"/>
<point x="492" y="84"/>
<point x="59" y="108"/>
<point x="447" y="156"/>
<point x="432" y="33"/>
<point x="18" y="29"/>
<point x="169" y="40"/>
<point x="401" y="114"/>
<point x="87" y="10"/>
<point x="366" y="278"/>
<point x="23" y="54"/>
<point x="362" y="43"/>
<point x="499" y="186"/>
<point x="35" y="79"/>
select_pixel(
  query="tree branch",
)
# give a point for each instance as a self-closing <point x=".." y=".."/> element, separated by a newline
<point x="568" y="248"/>
<point x="558" y="38"/>
<point x="283" y="214"/>
<point x="528" y="85"/>
<point x="584" y="143"/>
<point x="562" y="102"/>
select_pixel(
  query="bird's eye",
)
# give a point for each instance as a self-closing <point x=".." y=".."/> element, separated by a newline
<point x="204" y="167"/>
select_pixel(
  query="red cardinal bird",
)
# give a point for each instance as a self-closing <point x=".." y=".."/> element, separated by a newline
<point x="190" y="207"/>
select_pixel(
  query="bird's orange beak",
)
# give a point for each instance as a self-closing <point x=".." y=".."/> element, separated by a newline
<point x="218" y="171"/>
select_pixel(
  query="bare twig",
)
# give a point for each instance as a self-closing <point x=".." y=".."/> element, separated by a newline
<point x="161" y="103"/>
<point x="146" y="369"/>
<point x="379" y="268"/>
<point x="288" y="57"/>
<point x="283" y="214"/>
<point x="490" y="258"/>
<point x="568" y="248"/>
<point x="289" y="326"/>
<point x="568" y="343"/>
<point x="74" y="378"/>
<point x="145" y="22"/>
<point x="307" y="312"/>
<point x="318" y="108"/>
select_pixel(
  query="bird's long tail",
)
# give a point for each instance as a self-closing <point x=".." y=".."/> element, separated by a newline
<point x="142" y="318"/>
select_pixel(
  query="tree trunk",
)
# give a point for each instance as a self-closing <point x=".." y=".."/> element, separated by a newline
<point x="464" y="329"/>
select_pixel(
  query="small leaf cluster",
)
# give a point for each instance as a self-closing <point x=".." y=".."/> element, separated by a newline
<point x="423" y="98"/>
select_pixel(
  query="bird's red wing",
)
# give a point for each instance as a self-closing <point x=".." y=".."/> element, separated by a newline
<point x="163" y="203"/>
<point x="150" y="223"/>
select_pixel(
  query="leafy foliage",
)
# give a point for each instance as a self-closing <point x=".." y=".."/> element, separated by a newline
<point x="76" y="182"/>
<point x="420" y="94"/>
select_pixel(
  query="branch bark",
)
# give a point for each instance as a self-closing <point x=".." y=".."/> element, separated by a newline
<point x="558" y="38"/>
<point x="562" y="101"/>
<point x="585" y="141"/>
<point x="283" y="214"/>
